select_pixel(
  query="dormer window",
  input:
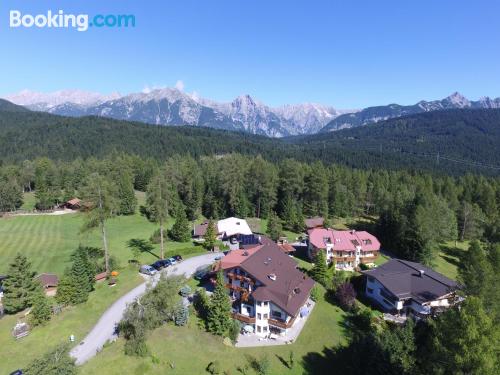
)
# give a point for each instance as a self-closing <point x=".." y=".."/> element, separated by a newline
<point x="272" y="276"/>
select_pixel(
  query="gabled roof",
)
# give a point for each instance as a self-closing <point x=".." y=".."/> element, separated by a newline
<point x="319" y="237"/>
<point x="284" y="284"/>
<point x="47" y="280"/>
<point x="233" y="226"/>
<point x="200" y="229"/>
<point x="235" y="257"/>
<point x="74" y="202"/>
<point x="346" y="240"/>
<point x="314" y="222"/>
<point x="406" y="279"/>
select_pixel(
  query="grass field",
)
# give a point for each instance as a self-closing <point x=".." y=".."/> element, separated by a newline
<point x="190" y="349"/>
<point x="48" y="241"/>
<point x="75" y="320"/>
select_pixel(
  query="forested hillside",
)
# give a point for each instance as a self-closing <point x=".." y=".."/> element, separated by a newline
<point x="452" y="142"/>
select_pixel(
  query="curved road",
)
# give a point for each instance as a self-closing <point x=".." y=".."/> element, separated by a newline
<point x="104" y="330"/>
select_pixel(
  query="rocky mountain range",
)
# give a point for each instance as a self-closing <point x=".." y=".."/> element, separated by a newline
<point x="372" y="115"/>
<point x="171" y="106"/>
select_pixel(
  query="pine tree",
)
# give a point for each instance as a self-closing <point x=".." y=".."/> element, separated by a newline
<point x="465" y="341"/>
<point x="320" y="271"/>
<point x="66" y="290"/>
<point x="219" y="316"/>
<point x="474" y="271"/>
<point x="181" y="315"/>
<point x="210" y="236"/>
<point x="181" y="231"/>
<point x="126" y="194"/>
<point x="80" y="279"/>
<point x="19" y="286"/>
<point x="40" y="311"/>
<point x="274" y="228"/>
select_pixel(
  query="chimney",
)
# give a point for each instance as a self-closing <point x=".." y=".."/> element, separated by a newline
<point x="421" y="272"/>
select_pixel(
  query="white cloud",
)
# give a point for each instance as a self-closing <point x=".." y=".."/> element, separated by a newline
<point x="179" y="85"/>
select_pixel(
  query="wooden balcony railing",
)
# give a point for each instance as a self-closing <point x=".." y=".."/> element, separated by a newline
<point x="280" y="323"/>
<point x="234" y="276"/>
<point x="243" y="318"/>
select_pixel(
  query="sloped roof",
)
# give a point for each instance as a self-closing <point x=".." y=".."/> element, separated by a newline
<point x="47" y="280"/>
<point x="232" y="226"/>
<point x="343" y="239"/>
<point x="200" y="229"/>
<point x="235" y="257"/>
<point x="406" y="279"/>
<point x="290" y="288"/>
<point x="314" y="222"/>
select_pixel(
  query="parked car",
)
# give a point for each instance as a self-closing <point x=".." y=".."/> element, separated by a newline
<point x="172" y="261"/>
<point x="178" y="258"/>
<point x="165" y="262"/>
<point x="202" y="272"/>
<point x="17" y="372"/>
<point x="158" y="265"/>
<point x="148" y="270"/>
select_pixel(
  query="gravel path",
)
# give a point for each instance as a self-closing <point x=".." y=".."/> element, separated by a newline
<point x="104" y="330"/>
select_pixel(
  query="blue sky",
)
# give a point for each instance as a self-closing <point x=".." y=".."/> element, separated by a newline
<point x="349" y="54"/>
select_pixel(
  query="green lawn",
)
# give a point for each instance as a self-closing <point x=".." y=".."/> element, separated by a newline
<point x="74" y="320"/>
<point x="447" y="259"/>
<point x="190" y="349"/>
<point x="48" y="242"/>
<point x="29" y="201"/>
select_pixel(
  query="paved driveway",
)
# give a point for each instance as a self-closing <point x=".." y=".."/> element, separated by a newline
<point x="104" y="330"/>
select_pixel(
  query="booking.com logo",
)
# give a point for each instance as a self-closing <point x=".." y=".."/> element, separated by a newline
<point x="80" y="22"/>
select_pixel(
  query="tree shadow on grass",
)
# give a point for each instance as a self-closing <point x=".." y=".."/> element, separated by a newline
<point x="283" y="361"/>
<point x="451" y="254"/>
<point x="142" y="246"/>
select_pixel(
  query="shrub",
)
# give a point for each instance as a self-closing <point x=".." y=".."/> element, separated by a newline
<point x="346" y="296"/>
<point x="185" y="291"/>
<point x="181" y="315"/>
<point x="214" y="368"/>
<point x="234" y="330"/>
<point x="363" y="267"/>
<point x="316" y="293"/>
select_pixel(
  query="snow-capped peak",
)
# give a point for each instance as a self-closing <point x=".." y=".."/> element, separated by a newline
<point x="52" y="99"/>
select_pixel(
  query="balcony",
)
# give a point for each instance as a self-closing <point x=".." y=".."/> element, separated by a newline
<point x="243" y="318"/>
<point x="280" y="323"/>
<point x="233" y="276"/>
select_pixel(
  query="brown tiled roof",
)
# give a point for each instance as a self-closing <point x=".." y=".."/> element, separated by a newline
<point x="74" y="202"/>
<point x="200" y="229"/>
<point x="286" y="247"/>
<point x="290" y="288"/>
<point x="47" y="280"/>
<point x="314" y="222"/>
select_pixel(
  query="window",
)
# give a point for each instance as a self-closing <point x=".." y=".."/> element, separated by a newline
<point x="371" y="279"/>
<point x="387" y="302"/>
<point x="259" y="303"/>
<point x="259" y="329"/>
<point x="370" y="290"/>
<point x="264" y="328"/>
<point x="259" y="316"/>
<point x="266" y="316"/>
<point x="276" y="314"/>
<point x="266" y="303"/>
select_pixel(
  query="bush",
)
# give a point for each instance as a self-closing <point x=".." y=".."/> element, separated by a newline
<point x="55" y="362"/>
<point x="234" y="330"/>
<point x="185" y="291"/>
<point x="181" y="315"/>
<point x="363" y="267"/>
<point x="214" y="368"/>
<point x="316" y="293"/>
<point x="155" y="237"/>
<point x="346" y="296"/>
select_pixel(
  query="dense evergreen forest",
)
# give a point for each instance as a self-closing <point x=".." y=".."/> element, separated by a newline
<point x="190" y="173"/>
<point x="453" y="142"/>
<point x="415" y="211"/>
